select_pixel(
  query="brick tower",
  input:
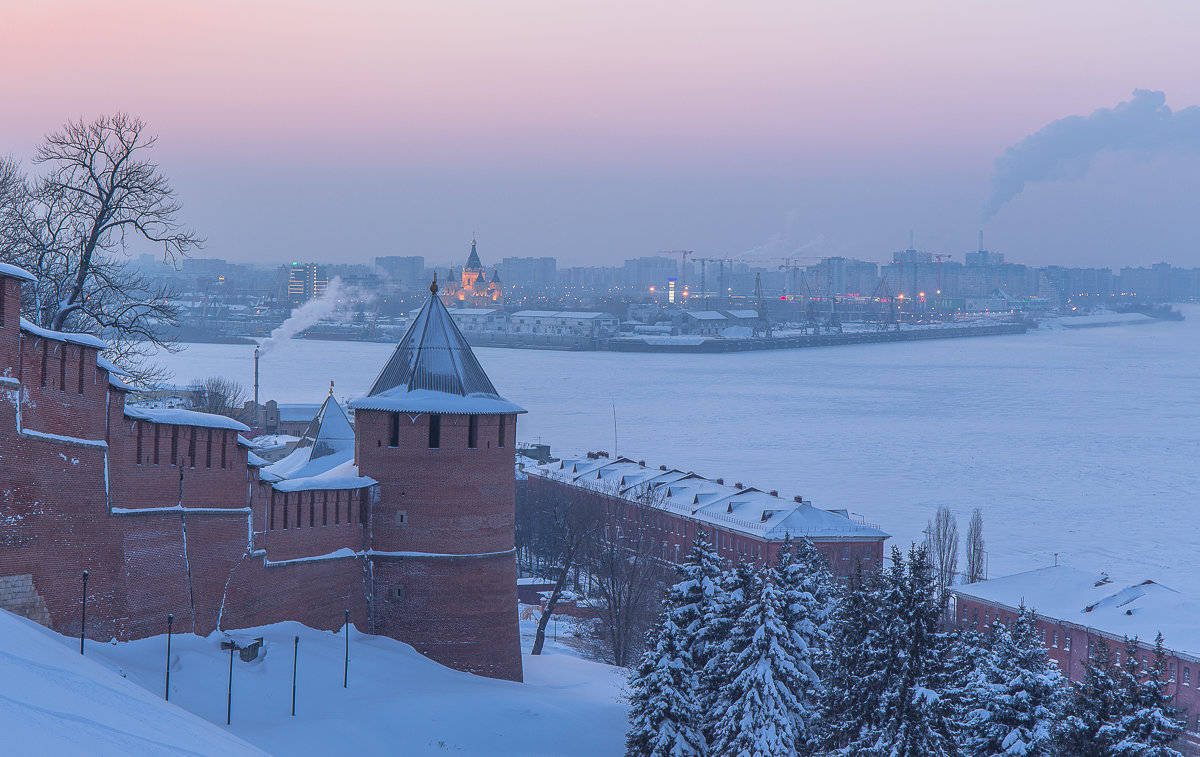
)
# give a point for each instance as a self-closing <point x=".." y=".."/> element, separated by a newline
<point x="440" y="441"/>
<point x="11" y="278"/>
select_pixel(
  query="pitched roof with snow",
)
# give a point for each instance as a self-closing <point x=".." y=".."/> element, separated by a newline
<point x="16" y="272"/>
<point x="749" y="511"/>
<point x="1093" y="599"/>
<point x="433" y="370"/>
<point x="323" y="458"/>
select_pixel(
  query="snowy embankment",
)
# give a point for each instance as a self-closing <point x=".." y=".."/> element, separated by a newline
<point x="53" y="701"/>
<point x="397" y="702"/>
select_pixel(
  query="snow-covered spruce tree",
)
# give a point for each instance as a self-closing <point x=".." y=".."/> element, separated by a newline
<point x="915" y="717"/>
<point x="762" y="709"/>
<point x="858" y="663"/>
<point x="1097" y="703"/>
<point x="666" y="715"/>
<point x="739" y="585"/>
<point x="665" y="719"/>
<point x="1020" y="702"/>
<point x="1148" y="727"/>
<point x="809" y="601"/>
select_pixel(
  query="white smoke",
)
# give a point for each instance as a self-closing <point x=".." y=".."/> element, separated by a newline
<point x="781" y="244"/>
<point x="305" y="315"/>
<point x="1065" y="148"/>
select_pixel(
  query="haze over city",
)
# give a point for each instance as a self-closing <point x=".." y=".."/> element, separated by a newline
<point x="305" y="131"/>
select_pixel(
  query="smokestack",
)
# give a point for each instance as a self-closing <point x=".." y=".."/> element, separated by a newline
<point x="981" y="240"/>
<point x="257" y="411"/>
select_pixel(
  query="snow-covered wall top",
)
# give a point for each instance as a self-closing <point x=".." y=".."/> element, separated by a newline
<point x="177" y="417"/>
<point x="87" y="340"/>
<point x="15" y="272"/>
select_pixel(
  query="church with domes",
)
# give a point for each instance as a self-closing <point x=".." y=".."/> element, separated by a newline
<point x="473" y="288"/>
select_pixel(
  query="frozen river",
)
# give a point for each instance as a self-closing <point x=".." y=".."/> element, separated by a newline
<point x="1082" y="443"/>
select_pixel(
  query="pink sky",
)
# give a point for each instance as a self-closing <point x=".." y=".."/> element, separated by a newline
<point x="874" y="98"/>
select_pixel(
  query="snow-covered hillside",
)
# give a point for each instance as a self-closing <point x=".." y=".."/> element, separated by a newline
<point x="52" y="701"/>
<point x="398" y="702"/>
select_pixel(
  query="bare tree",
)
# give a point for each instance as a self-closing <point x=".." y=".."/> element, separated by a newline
<point x="941" y="542"/>
<point x="218" y="395"/>
<point x="71" y="227"/>
<point x="975" y="553"/>
<point x="567" y="520"/>
<point x="629" y="584"/>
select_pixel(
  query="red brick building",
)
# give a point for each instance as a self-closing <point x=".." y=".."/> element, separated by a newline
<point x="407" y="524"/>
<point x="1076" y="608"/>
<point x="670" y="506"/>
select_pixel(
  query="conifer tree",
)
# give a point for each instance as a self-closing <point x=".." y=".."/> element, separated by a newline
<point x="858" y="664"/>
<point x="665" y="718"/>
<point x="666" y="711"/>
<point x="1020" y="697"/>
<point x="915" y="717"/>
<point x="761" y="710"/>
<point x="1148" y="726"/>
<point x="1098" y="702"/>
<point x="738" y="588"/>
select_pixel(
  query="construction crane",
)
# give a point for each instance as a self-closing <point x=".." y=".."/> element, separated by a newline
<point x="763" y="324"/>
<point x="683" y="254"/>
<point x="720" y="277"/>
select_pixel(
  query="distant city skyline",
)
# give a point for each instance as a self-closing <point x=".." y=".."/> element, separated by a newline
<point x="598" y="133"/>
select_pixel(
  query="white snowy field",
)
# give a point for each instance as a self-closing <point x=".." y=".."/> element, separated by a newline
<point x="1078" y="442"/>
<point x="53" y="701"/>
<point x="397" y="702"/>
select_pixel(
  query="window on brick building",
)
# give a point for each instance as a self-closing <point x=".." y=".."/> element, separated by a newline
<point x="435" y="431"/>
<point x="62" y="367"/>
<point x="312" y="509"/>
<point x="472" y="431"/>
<point x="975" y="615"/>
<point x="208" y="449"/>
<point x="987" y="618"/>
<point x="156" y="435"/>
<point x="500" y="435"/>
<point x="1172" y="676"/>
<point x="3" y="297"/>
<point x="845" y="552"/>
<point x="1187" y="676"/>
<point x="45" y="360"/>
<point x="1067" y="641"/>
<point x="224" y="445"/>
<point x="272" y="515"/>
<point x="394" y="439"/>
<point x="174" y="445"/>
<point x="337" y="508"/>
<point x="82" y="360"/>
<point x="139" y="444"/>
<point x="1055" y="642"/>
<point x="285" y="511"/>
<point x="325" y="509"/>
<point x="192" y="448"/>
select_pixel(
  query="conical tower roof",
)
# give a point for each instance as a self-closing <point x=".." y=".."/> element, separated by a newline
<point x="328" y="443"/>
<point x="473" y="263"/>
<point x="433" y="370"/>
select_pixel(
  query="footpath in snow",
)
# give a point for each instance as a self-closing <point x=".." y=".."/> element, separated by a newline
<point x="398" y="702"/>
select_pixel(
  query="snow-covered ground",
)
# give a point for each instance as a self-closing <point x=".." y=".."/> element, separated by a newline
<point x="1078" y="442"/>
<point x="52" y="701"/>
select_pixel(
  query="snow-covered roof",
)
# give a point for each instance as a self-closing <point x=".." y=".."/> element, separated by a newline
<point x="474" y="311"/>
<point x="704" y="315"/>
<point x="748" y="510"/>
<point x="109" y="366"/>
<point x="292" y="413"/>
<point x="586" y="315"/>
<point x="16" y="272"/>
<point x="742" y="313"/>
<point x="323" y="458"/>
<point x="178" y="417"/>
<point x="433" y="370"/>
<point x="87" y="340"/>
<point x="1093" y="599"/>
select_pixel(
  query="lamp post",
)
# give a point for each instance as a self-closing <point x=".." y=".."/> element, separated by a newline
<point x="83" y="613"/>
<point x="346" y="672"/>
<point x="167" y="690"/>
<point x="295" y="657"/>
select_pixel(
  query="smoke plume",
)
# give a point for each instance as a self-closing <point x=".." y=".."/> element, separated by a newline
<point x="1065" y="148"/>
<point x="305" y="315"/>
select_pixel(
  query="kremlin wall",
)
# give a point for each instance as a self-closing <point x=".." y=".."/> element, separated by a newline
<point x="406" y="520"/>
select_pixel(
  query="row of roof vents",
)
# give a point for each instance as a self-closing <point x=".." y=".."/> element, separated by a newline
<point x="798" y="499"/>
